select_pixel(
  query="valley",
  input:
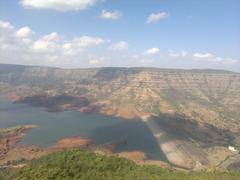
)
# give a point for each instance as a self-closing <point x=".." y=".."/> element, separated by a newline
<point x="192" y="115"/>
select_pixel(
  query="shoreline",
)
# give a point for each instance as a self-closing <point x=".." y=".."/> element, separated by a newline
<point x="175" y="156"/>
<point x="29" y="152"/>
<point x="179" y="153"/>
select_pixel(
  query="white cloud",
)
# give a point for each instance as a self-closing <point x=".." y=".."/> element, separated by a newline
<point x="51" y="37"/>
<point x="24" y="32"/>
<point x="85" y="41"/>
<point x="68" y="46"/>
<point x="177" y="54"/>
<point x="8" y="38"/>
<point x="6" y="25"/>
<point x="152" y="51"/>
<point x="70" y="50"/>
<point x="156" y="17"/>
<point x="77" y="45"/>
<point x="23" y="47"/>
<point x="119" y="46"/>
<point x="47" y="43"/>
<point x="184" y="53"/>
<point x="96" y="61"/>
<point x="203" y="56"/>
<point x="61" y="5"/>
<point x="114" y="15"/>
<point x="209" y="57"/>
<point x="41" y="45"/>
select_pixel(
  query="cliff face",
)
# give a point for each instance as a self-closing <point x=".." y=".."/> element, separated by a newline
<point x="202" y="95"/>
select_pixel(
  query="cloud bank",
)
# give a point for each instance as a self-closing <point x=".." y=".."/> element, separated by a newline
<point x="24" y="46"/>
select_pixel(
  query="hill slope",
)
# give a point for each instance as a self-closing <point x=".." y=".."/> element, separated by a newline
<point x="76" y="164"/>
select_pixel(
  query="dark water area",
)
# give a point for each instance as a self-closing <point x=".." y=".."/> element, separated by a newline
<point x="101" y="129"/>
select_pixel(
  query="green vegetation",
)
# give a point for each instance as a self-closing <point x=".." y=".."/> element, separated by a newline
<point x="77" y="164"/>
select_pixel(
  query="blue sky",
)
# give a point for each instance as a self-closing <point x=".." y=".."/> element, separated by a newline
<point x="158" y="33"/>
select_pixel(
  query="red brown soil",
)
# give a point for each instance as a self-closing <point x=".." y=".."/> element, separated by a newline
<point x="29" y="152"/>
<point x="72" y="142"/>
<point x="11" y="138"/>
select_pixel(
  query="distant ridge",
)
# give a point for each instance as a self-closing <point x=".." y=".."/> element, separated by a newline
<point x="12" y="66"/>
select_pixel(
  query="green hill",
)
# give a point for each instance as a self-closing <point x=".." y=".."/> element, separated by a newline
<point x="77" y="164"/>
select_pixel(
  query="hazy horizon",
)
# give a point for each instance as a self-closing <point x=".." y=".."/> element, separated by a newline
<point x="132" y="67"/>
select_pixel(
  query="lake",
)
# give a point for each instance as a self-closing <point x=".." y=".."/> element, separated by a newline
<point x="101" y="129"/>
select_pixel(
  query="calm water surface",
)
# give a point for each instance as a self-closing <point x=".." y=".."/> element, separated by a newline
<point x="100" y="129"/>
